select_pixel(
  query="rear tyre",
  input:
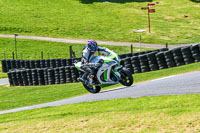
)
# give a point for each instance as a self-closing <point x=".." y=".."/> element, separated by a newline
<point x="127" y="78"/>
<point x="90" y="88"/>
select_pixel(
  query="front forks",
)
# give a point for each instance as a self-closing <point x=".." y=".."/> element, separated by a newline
<point x="117" y="75"/>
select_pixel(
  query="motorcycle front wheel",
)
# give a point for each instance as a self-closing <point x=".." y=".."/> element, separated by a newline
<point x="127" y="78"/>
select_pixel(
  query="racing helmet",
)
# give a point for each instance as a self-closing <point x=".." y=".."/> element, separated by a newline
<point x="92" y="45"/>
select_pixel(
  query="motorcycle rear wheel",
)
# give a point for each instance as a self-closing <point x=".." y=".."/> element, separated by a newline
<point x="90" y="88"/>
<point x="127" y="78"/>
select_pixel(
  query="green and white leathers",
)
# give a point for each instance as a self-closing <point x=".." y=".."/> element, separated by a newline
<point x="110" y="72"/>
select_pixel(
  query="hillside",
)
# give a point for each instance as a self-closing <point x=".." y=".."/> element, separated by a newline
<point x="175" y="22"/>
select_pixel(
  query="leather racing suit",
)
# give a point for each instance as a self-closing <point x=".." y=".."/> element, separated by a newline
<point x="88" y="59"/>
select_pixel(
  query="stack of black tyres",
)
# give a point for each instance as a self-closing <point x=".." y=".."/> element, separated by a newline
<point x="41" y="79"/>
<point x="27" y="64"/>
<point x="129" y="55"/>
<point x="63" y="62"/>
<point x="128" y="64"/>
<point x="169" y="58"/>
<point x="19" y="77"/>
<point x="46" y="80"/>
<point x="141" y="53"/>
<point x="187" y="55"/>
<point x="57" y="75"/>
<point x="29" y="76"/>
<point x="160" y="57"/>
<point x="62" y="75"/>
<point x="68" y="74"/>
<point x="144" y="63"/>
<point x="8" y="64"/>
<point x="31" y="64"/>
<point x="74" y="74"/>
<point x="20" y="64"/>
<point x="69" y="62"/>
<point x="25" y="77"/>
<point x="37" y="64"/>
<point x="35" y="77"/>
<point x="58" y="62"/>
<point x="153" y="65"/>
<point x="43" y="76"/>
<point x="10" y="78"/>
<point x="13" y="64"/>
<point x="136" y="64"/>
<point x="14" y="79"/>
<point x="51" y="76"/>
<point x="4" y="68"/>
<point x="178" y="57"/>
<point x="42" y="63"/>
<point x="52" y="63"/>
<point x="135" y="54"/>
<point x="47" y="63"/>
<point x="195" y="50"/>
<point x="122" y="56"/>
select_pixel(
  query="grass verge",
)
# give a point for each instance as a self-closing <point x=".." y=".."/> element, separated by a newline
<point x="14" y="97"/>
<point x="175" y="22"/>
<point x="146" y="114"/>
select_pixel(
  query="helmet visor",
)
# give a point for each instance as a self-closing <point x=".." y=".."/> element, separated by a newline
<point x="93" y="48"/>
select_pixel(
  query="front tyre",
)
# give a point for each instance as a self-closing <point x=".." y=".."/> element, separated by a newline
<point x="127" y="78"/>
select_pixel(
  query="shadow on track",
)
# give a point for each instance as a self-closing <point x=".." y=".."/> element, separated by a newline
<point x="113" y="1"/>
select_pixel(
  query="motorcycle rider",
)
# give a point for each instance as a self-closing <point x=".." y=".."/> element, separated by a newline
<point x="87" y="56"/>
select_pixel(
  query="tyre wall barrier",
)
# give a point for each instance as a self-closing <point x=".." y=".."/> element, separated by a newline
<point x="162" y="59"/>
<point x="53" y="63"/>
<point x="135" y="63"/>
<point x="31" y="64"/>
<point x="43" y="76"/>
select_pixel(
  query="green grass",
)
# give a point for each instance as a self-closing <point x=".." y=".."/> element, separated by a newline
<point x="175" y="22"/>
<point x="14" y="97"/>
<point x="146" y="114"/>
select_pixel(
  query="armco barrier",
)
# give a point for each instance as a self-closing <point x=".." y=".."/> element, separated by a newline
<point x="55" y="73"/>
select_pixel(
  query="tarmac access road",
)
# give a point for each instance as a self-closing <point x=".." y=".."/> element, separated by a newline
<point x="84" y="41"/>
<point x="187" y="83"/>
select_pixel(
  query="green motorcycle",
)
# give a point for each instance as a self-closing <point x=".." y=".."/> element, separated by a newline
<point x="109" y="73"/>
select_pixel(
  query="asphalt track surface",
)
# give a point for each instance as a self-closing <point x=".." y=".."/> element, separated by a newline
<point x="187" y="83"/>
<point x="4" y="81"/>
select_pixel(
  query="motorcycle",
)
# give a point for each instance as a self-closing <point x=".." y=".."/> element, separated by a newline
<point x="109" y="73"/>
